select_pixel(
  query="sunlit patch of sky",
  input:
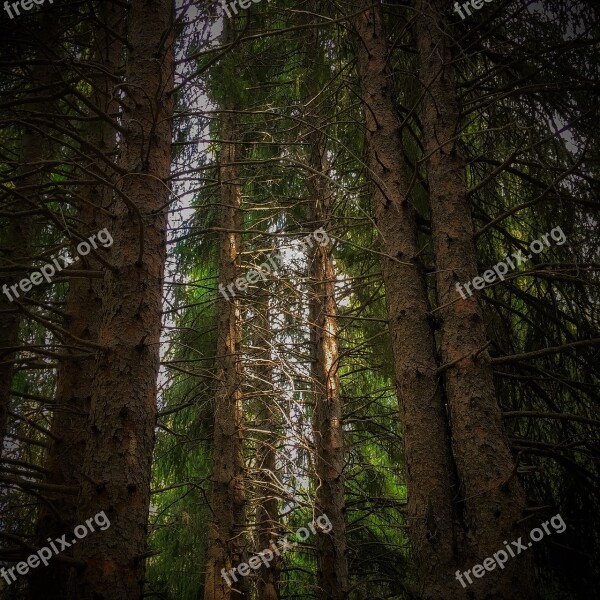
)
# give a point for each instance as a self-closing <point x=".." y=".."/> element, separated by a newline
<point x="194" y="101"/>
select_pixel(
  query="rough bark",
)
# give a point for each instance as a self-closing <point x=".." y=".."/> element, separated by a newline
<point x="267" y="514"/>
<point x="494" y="498"/>
<point x="84" y="308"/>
<point x="429" y="466"/>
<point x="116" y="471"/>
<point x="226" y="544"/>
<point x="332" y="547"/>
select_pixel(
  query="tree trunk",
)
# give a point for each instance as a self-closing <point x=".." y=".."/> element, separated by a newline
<point x="332" y="547"/>
<point x="267" y="488"/>
<point x="226" y="547"/>
<point x="84" y="307"/>
<point x="494" y="498"/>
<point x="116" y="471"/>
<point x="429" y="466"/>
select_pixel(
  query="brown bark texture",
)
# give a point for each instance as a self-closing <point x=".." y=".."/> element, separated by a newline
<point x="268" y="526"/>
<point x="226" y="537"/>
<point x="429" y="466"/>
<point x="327" y="422"/>
<point x="493" y="497"/>
<point x="84" y="309"/>
<point x="332" y="547"/>
<point x="116" y="471"/>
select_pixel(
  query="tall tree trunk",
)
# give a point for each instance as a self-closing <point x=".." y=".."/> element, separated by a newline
<point x="494" y="498"/>
<point x="84" y="308"/>
<point x="332" y="547"/>
<point x="226" y="547"/>
<point x="429" y="465"/>
<point x="267" y="513"/>
<point x="116" y="471"/>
